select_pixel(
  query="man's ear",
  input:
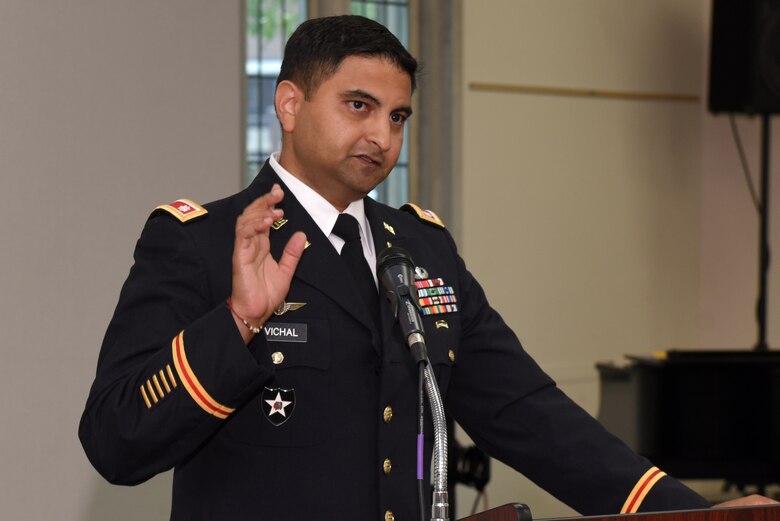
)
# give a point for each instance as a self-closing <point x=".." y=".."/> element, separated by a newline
<point x="287" y="99"/>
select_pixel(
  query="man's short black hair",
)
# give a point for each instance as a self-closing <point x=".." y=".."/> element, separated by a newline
<point x="318" y="46"/>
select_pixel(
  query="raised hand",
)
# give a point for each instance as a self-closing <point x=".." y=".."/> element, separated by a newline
<point x="259" y="282"/>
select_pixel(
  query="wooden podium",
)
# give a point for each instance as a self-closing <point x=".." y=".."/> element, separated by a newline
<point x="520" y="512"/>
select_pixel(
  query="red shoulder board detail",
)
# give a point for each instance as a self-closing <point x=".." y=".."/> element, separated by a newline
<point x="425" y="215"/>
<point x="183" y="209"/>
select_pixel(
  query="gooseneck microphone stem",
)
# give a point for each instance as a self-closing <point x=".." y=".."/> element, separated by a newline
<point x="440" y="507"/>
<point x="421" y="487"/>
<point x="395" y="269"/>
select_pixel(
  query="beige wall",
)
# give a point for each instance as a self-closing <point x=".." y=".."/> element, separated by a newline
<point x="598" y="227"/>
<point x="601" y="227"/>
<point x="107" y="108"/>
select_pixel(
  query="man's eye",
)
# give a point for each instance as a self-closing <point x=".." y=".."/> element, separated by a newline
<point x="397" y="118"/>
<point x="358" y="105"/>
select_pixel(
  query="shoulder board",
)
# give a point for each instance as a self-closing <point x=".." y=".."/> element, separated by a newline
<point x="425" y="215"/>
<point x="183" y="209"/>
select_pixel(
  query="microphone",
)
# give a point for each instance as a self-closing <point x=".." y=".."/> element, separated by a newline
<point x="395" y="269"/>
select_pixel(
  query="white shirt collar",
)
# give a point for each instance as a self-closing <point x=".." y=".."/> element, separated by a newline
<point x="324" y="213"/>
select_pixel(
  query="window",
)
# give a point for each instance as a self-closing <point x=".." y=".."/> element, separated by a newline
<point x="393" y="14"/>
<point x="268" y="25"/>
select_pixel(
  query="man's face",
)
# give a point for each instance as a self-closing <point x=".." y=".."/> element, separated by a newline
<point x="346" y="138"/>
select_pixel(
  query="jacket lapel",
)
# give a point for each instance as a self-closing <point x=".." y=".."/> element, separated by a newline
<point x="385" y="235"/>
<point x="320" y="266"/>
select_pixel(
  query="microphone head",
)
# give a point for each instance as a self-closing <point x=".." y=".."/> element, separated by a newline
<point x="393" y="257"/>
<point x="395" y="270"/>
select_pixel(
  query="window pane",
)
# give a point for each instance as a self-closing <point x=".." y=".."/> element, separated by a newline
<point x="393" y="14"/>
<point x="268" y="25"/>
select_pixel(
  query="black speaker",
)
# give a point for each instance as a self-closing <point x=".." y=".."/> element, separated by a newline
<point x="745" y="56"/>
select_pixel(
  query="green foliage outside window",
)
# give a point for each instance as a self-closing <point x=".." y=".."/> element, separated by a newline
<point x="267" y="17"/>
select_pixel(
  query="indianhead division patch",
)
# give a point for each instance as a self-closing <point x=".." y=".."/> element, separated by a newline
<point x="278" y="404"/>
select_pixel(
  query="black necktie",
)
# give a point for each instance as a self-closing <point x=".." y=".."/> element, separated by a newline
<point x="348" y="229"/>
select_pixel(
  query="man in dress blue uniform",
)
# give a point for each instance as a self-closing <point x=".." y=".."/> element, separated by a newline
<point x="242" y="354"/>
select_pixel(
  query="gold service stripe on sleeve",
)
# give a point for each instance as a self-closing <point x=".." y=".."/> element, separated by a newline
<point x="165" y="382"/>
<point x="191" y="383"/>
<point x="640" y="490"/>
<point x="158" y="386"/>
<point x="151" y="391"/>
<point x="146" y="398"/>
<point x="170" y="375"/>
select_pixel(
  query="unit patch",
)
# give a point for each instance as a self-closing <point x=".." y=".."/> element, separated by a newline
<point x="278" y="404"/>
<point x="435" y="297"/>
<point x="284" y="332"/>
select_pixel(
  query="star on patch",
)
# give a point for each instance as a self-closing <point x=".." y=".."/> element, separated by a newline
<point x="278" y="404"/>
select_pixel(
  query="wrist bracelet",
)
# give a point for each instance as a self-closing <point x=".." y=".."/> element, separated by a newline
<point x="249" y="326"/>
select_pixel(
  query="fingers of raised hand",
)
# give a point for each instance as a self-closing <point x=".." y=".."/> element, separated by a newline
<point x="249" y="225"/>
<point x="258" y="216"/>
<point x="268" y="200"/>
<point x="292" y="253"/>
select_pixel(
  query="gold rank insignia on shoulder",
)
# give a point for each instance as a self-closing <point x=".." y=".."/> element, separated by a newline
<point x="183" y="209"/>
<point x="428" y="216"/>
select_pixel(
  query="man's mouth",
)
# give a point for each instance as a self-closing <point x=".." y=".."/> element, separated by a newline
<point x="370" y="159"/>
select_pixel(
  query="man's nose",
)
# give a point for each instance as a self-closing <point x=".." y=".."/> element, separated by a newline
<point x="380" y="132"/>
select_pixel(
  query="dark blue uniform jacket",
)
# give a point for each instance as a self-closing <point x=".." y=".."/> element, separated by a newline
<point x="177" y="388"/>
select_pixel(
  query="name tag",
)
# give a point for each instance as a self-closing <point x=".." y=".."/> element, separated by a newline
<point x="281" y="332"/>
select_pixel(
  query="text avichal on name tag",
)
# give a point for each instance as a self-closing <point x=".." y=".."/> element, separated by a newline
<point x="284" y="332"/>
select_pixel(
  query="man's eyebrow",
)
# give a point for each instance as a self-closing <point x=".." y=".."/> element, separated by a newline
<point x="365" y="96"/>
<point x="361" y="95"/>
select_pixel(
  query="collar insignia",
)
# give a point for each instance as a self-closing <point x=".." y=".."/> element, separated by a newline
<point x="389" y="228"/>
<point x="278" y="224"/>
